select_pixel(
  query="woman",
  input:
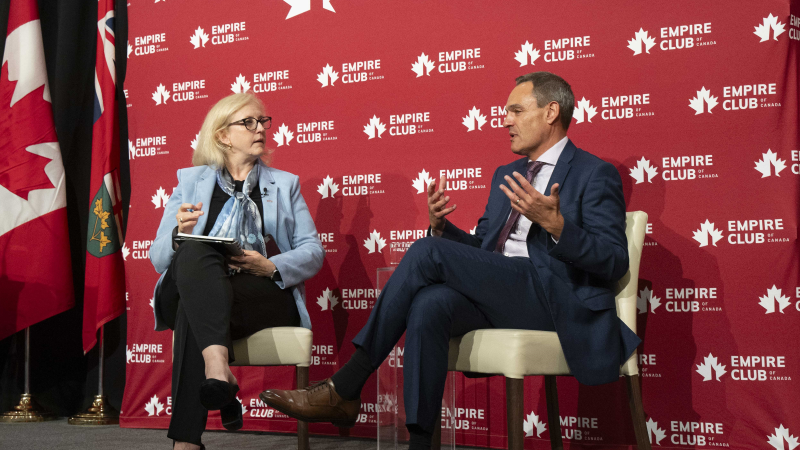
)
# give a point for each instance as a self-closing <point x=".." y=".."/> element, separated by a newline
<point x="209" y="300"/>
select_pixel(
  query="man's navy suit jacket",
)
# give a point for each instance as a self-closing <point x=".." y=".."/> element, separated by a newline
<point x="578" y="274"/>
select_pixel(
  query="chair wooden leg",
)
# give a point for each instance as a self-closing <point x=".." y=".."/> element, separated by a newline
<point x="436" y="440"/>
<point x="637" y="411"/>
<point x="302" y="427"/>
<point x="514" y="412"/>
<point x="551" y="392"/>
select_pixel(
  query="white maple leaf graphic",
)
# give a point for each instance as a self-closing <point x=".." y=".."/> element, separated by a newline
<point x="422" y="182"/>
<point x="328" y="187"/>
<point x="326" y="4"/>
<point x="643" y="166"/>
<point x="161" y="95"/>
<point x="130" y="49"/>
<point x="194" y="141"/>
<point x="707" y="229"/>
<point x="781" y="434"/>
<point x="327" y="74"/>
<point x="240" y="85"/>
<point x="154" y="407"/>
<point x="132" y="150"/>
<point x="703" y="96"/>
<point x="472" y="231"/>
<point x="125" y="251"/>
<point x="473" y="117"/>
<point x="128" y="356"/>
<point x="584" y="111"/>
<point x="770" y="22"/>
<point x="646" y="296"/>
<point x="654" y="432"/>
<point x="423" y="66"/>
<point x="531" y="422"/>
<point x="244" y="408"/>
<point x="283" y="135"/>
<point x="374" y="241"/>
<point x="710" y="363"/>
<point x="770" y="159"/>
<point x="160" y="199"/>
<point x="200" y="37"/>
<point x="374" y="126"/>
<point x="639" y="39"/>
<point x="774" y="295"/>
<point x="326" y="298"/>
<point x="526" y="51"/>
<point x="298" y="7"/>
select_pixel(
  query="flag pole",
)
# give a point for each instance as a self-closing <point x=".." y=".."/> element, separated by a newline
<point x="101" y="412"/>
<point x="27" y="410"/>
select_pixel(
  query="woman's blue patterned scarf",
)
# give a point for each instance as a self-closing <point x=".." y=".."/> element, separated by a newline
<point x="239" y="218"/>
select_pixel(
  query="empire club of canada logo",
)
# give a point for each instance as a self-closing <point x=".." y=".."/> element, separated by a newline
<point x="283" y="135"/>
<point x="782" y="434"/>
<point x="422" y="182"/>
<point x="770" y="25"/>
<point x="527" y="55"/>
<point x="241" y="85"/>
<point x="474" y="118"/>
<point x="770" y="164"/>
<point x="161" y="95"/>
<point x="161" y="198"/>
<point x="641" y="42"/>
<point x="584" y="111"/>
<point x="706" y="233"/>
<point x="328" y="76"/>
<point x="422" y="66"/>
<point x="532" y="423"/>
<point x="328" y="188"/>
<point x="302" y="6"/>
<point x="327" y="298"/>
<point x="774" y="298"/>
<point x="643" y="167"/>
<point x="154" y="407"/>
<point x="375" y="243"/>
<point x="703" y="101"/>
<point x="654" y="433"/>
<point x="199" y="38"/>
<point x="646" y="297"/>
<point x="374" y="127"/>
<point x="711" y="369"/>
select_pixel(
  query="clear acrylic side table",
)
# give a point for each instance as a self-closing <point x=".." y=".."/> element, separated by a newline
<point x="391" y="413"/>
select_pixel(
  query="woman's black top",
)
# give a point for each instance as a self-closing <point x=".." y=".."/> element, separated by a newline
<point x="219" y="197"/>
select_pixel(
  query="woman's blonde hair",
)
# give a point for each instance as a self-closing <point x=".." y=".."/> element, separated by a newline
<point x="210" y="150"/>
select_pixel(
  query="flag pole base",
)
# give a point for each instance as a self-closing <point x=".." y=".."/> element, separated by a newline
<point x="27" y="411"/>
<point x="100" y="413"/>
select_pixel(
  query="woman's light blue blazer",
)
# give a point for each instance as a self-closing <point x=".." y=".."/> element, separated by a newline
<point x="286" y="218"/>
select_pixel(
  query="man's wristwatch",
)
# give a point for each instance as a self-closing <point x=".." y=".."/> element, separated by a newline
<point x="276" y="276"/>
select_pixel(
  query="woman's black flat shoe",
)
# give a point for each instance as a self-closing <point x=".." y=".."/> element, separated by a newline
<point x="231" y="415"/>
<point x="215" y="394"/>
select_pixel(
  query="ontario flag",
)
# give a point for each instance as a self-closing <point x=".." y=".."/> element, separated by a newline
<point x="35" y="267"/>
<point x="104" y="286"/>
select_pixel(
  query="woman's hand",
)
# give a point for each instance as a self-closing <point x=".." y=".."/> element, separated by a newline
<point x="188" y="219"/>
<point x="253" y="262"/>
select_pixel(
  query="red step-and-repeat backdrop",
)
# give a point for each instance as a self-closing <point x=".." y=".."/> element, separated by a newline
<point x="695" y="103"/>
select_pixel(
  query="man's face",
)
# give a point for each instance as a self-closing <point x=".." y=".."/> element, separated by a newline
<point x="526" y="122"/>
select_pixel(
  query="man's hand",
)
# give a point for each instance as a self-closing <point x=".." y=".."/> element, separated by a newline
<point x="436" y="206"/>
<point x="538" y="208"/>
<point x="187" y="216"/>
<point x="252" y="262"/>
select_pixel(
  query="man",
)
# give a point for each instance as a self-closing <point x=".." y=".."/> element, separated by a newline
<point x="536" y="261"/>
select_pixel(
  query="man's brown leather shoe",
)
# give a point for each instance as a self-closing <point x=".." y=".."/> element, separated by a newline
<point x="316" y="403"/>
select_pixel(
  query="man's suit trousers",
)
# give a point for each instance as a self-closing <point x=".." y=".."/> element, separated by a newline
<point x="442" y="289"/>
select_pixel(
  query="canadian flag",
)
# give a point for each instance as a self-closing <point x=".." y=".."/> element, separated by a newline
<point x="35" y="267"/>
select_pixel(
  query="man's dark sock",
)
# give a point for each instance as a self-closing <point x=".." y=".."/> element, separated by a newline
<point x="420" y="439"/>
<point x="349" y="380"/>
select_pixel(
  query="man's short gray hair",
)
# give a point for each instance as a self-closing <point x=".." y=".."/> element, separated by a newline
<point x="549" y="87"/>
